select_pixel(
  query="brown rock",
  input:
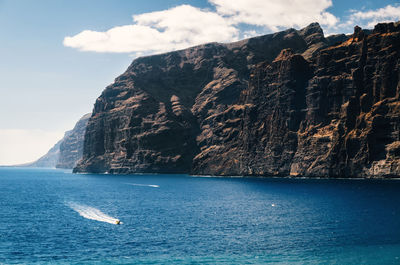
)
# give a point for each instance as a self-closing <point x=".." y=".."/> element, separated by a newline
<point x="290" y="103"/>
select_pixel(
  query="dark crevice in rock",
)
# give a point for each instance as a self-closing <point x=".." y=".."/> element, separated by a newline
<point x="290" y="103"/>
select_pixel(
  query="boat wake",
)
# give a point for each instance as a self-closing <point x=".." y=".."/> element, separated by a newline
<point x="144" y="185"/>
<point x="93" y="213"/>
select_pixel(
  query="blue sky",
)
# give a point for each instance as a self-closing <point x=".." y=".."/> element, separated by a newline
<point x="57" y="56"/>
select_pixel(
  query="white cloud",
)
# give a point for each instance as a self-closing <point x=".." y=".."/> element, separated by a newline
<point x="22" y="146"/>
<point x="366" y="19"/>
<point x="184" y="26"/>
<point x="250" y="33"/>
<point x="370" y="18"/>
<point x="277" y="14"/>
<point x="176" y="28"/>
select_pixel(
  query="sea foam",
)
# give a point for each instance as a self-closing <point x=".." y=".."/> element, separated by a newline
<point x="92" y="213"/>
<point x="144" y="185"/>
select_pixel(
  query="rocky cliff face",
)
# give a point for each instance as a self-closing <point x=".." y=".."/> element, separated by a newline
<point x="71" y="146"/>
<point x="290" y="103"/>
<point x="66" y="152"/>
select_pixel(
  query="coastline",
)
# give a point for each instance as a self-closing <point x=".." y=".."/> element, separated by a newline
<point x="396" y="178"/>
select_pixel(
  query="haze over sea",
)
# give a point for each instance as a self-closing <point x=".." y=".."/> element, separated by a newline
<point x="53" y="216"/>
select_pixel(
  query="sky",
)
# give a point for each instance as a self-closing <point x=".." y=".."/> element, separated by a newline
<point x="56" y="56"/>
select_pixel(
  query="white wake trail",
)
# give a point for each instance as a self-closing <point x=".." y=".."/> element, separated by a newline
<point x="92" y="213"/>
<point x="144" y="185"/>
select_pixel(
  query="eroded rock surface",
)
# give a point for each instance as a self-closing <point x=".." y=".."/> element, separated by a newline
<point x="289" y="103"/>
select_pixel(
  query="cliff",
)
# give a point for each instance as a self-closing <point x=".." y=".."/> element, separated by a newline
<point x="66" y="152"/>
<point x="71" y="147"/>
<point x="289" y="103"/>
<point x="49" y="159"/>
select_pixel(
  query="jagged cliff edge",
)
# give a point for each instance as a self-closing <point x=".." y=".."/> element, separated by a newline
<point x="290" y="103"/>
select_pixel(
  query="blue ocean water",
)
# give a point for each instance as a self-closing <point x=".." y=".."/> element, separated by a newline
<point x="50" y="216"/>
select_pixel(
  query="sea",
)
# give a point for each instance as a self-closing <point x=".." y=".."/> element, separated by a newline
<point x="51" y="216"/>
